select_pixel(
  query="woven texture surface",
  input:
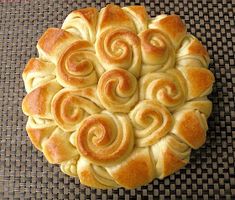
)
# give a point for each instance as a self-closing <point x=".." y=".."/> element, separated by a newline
<point x="25" y="174"/>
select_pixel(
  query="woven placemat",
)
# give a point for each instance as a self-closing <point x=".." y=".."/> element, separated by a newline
<point x="25" y="174"/>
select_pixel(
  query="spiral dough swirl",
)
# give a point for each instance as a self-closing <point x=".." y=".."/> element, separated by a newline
<point x="78" y="67"/>
<point x="69" y="109"/>
<point x="117" y="90"/>
<point x="151" y="121"/>
<point x="167" y="89"/>
<point x="119" y="48"/>
<point x="157" y="51"/>
<point x="105" y="138"/>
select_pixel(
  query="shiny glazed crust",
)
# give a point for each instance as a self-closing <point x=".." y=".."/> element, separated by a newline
<point x="117" y="98"/>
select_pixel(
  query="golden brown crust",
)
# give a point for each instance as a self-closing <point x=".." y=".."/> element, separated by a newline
<point x="191" y="127"/>
<point x="135" y="171"/>
<point x="89" y="93"/>
<point x="172" y="26"/>
<point x="37" y="72"/>
<point x="113" y="16"/>
<point x="39" y="130"/>
<point x="171" y="163"/>
<point x="53" y="42"/>
<point x="198" y="49"/>
<point x="87" y="175"/>
<point x="88" y="14"/>
<point x="202" y="104"/>
<point x="103" y="176"/>
<point x="38" y="102"/>
<point x="199" y="81"/>
<point x="37" y="135"/>
<point x="170" y="154"/>
<point x="58" y="148"/>
<point x="82" y="23"/>
<point x="192" y="53"/>
<point x="51" y="38"/>
<point x="139" y="16"/>
<point x="33" y="65"/>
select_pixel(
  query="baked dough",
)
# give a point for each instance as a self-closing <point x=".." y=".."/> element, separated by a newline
<point x="117" y="98"/>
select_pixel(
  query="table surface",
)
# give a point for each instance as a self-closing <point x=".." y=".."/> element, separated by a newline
<point x="25" y="174"/>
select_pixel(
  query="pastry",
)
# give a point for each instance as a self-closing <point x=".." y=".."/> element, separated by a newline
<point x="116" y="98"/>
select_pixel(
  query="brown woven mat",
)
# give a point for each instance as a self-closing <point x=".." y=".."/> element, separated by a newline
<point x="25" y="174"/>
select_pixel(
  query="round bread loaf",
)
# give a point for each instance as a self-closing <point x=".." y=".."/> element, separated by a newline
<point x="117" y="98"/>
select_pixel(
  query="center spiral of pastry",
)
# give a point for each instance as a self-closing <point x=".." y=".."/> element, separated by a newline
<point x="78" y="67"/>
<point x="119" y="48"/>
<point x="152" y="122"/>
<point x="69" y="109"/>
<point x="105" y="138"/>
<point x="157" y="51"/>
<point x="117" y="90"/>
